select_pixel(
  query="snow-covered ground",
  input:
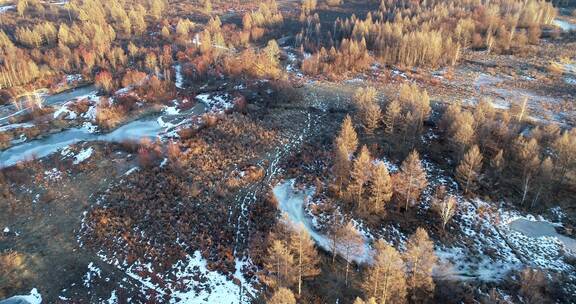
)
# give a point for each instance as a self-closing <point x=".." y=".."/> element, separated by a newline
<point x="190" y="281"/>
<point x="217" y="103"/>
<point x="179" y="81"/>
<point x="5" y="8"/>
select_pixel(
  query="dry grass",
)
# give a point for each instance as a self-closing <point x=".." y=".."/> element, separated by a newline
<point x="12" y="271"/>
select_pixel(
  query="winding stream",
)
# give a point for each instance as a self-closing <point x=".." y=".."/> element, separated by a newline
<point x="291" y="201"/>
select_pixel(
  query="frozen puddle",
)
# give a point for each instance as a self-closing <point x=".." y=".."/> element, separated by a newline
<point x="291" y="201"/>
<point x="538" y="229"/>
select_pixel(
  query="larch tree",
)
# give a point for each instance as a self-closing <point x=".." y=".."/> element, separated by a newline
<point x="497" y="163"/>
<point x="282" y="296"/>
<point x="306" y="255"/>
<point x="544" y="179"/>
<point x="347" y="135"/>
<point x="380" y="188"/>
<point x="359" y="300"/>
<point x="372" y="115"/>
<point x="207" y="6"/>
<point x="360" y="175"/>
<point x="279" y="266"/>
<point x="420" y="260"/>
<point x="342" y="164"/>
<point x="411" y="180"/>
<point x="368" y="111"/>
<point x="468" y="171"/>
<point x="565" y="148"/>
<point x="527" y="154"/>
<point x="392" y="115"/>
<point x="351" y="244"/>
<point x="462" y="132"/>
<point x="335" y="226"/>
<point x="385" y="279"/>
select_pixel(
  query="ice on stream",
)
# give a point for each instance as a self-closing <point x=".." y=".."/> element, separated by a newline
<point x="133" y="131"/>
<point x="291" y="201"/>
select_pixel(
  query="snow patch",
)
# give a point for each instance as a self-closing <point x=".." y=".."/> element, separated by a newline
<point x="83" y="155"/>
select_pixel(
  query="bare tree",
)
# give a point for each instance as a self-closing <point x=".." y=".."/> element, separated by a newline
<point x="446" y="208"/>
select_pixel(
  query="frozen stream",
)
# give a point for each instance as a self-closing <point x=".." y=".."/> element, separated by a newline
<point x="135" y="130"/>
<point x="149" y="127"/>
<point x="291" y="201"/>
<point x="537" y="229"/>
<point x="565" y="25"/>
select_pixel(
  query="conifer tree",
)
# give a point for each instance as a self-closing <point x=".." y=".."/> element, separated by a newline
<point x="359" y="176"/>
<point x="347" y="136"/>
<point x="420" y="260"/>
<point x="385" y="279"/>
<point x="381" y="188"/>
<point x="279" y="266"/>
<point x="392" y="116"/>
<point x="282" y="296"/>
<point x="306" y="257"/>
<point x="351" y="244"/>
<point x="411" y="180"/>
<point x="468" y="171"/>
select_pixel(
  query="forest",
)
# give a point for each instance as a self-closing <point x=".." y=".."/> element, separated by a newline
<point x="287" y="151"/>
